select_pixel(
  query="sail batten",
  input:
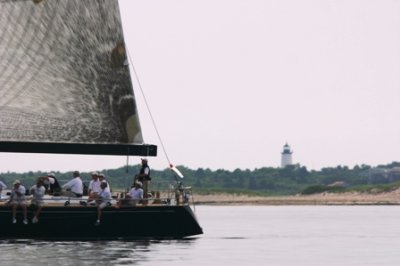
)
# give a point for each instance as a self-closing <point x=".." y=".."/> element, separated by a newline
<point x="63" y="75"/>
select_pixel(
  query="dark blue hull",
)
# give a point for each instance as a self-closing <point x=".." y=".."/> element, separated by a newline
<point x="77" y="223"/>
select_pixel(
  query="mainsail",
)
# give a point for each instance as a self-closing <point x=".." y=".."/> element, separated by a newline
<point x="65" y="85"/>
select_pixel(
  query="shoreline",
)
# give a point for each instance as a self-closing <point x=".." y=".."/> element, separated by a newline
<point x="391" y="198"/>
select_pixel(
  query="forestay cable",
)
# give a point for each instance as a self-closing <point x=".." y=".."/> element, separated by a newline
<point x="148" y="108"/>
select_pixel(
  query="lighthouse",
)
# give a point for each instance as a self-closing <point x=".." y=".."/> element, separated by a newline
<point x="286" y="156"/>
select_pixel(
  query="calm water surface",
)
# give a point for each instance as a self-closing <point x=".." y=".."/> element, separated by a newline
<point x="245" y="235"/>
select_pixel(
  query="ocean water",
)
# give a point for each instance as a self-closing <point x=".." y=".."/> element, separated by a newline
<point x="242" y="235"/>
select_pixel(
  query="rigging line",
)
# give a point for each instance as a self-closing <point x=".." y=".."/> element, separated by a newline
<point x="148" y="107"/>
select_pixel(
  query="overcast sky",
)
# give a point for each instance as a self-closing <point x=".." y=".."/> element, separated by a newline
<point x="229" y="82"/>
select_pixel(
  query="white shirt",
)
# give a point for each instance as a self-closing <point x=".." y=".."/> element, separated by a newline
<point x="94" y="186"/>
<point x="108" y="185"/>
<point x="136" y="193"/>
<point x="38" y="193"/>
<point x="75" y="185"/>
<point x="21" y="189"/>
<point x="146" y="170"/>
<point x="2" y="186"/>
<point x="105" y="196"/>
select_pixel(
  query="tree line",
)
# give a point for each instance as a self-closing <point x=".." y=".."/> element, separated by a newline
<point x="292" y="179"/>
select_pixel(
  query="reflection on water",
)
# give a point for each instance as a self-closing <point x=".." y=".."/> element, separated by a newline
<point x="30" y="252"/>
<point x="242" y="236"/>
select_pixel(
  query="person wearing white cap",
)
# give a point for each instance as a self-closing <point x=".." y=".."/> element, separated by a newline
<point x="94" y="186"/>
<point x="144" y="176"/>
<point x="37" y="192"/>
<point x="136" y="193"/>
<point x="103" y="179"/>
<point x="17" y="198"/>
<point x="103" y="199"/>
<point x="134" y="196"/>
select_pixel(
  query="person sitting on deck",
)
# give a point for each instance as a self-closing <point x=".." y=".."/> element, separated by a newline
<point x="17" y="198"/>
<point x="157" y="199"/>
<point x="94" y="187"/>
<point x="74" y="187"/>
<point x="102" y="178"/>
<point x="134" y="196"/>
<point x="37" y="192"/>
<point x="103" y="200"/>
<point x="2" y="186"/>
<point x="54" y="187"/>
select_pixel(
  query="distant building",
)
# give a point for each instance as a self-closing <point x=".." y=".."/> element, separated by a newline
<point x="377" y="175"/>
<point x="394" y="174"/>
<point x="286" y="156"/>
<point x="380" y="175"/>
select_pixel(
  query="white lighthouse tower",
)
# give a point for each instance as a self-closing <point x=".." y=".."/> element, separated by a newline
<point x="286" y="156"/>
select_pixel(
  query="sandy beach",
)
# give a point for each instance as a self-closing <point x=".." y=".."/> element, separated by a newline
<point x="353" y="198"/>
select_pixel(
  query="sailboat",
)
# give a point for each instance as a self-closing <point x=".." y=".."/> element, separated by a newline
<point x="65" y="88"/>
